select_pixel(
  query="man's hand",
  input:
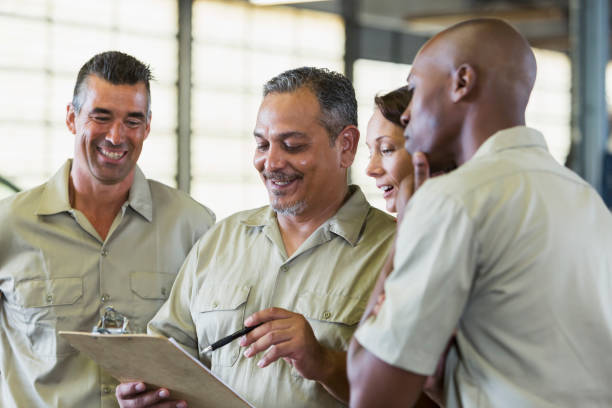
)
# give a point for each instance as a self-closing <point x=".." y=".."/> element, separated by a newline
<point x="135" y="395"/>
<point x="410" y="184"/>
<point x="288" y="335"/>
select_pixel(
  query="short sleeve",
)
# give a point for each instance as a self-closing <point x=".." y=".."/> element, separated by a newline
<point x="434" y="265"/>
<point x="174" y="319"/>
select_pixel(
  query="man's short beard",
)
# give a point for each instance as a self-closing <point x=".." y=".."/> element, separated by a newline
<point x="291" y="209"/>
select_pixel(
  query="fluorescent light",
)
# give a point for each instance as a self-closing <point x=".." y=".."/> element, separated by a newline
<point x="276" y="2"/>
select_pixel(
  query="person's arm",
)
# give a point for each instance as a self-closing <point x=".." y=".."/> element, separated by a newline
<point x="369" y="373"/>
<point x="377" y="297"/>
<point x="374" y="382"/>
<point x="408" y="186"/>
<point x="288" y="335"/>
<point x="371" y="378"/>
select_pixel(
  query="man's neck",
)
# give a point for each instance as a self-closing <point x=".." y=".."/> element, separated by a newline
<point x="100" y="203"/>
<point x="295" y="229"/>
<point x="476" y="132"/>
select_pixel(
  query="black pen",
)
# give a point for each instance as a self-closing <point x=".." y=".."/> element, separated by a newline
<point x="230" y="338"/>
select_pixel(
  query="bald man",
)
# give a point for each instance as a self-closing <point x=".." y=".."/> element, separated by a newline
<point x="511" y="249"/>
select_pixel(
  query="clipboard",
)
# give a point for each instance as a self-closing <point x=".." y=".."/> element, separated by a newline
<point x="158" y="362"/>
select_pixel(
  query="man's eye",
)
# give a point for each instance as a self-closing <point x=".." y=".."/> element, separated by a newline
<point x="262" y="147"/>
<point x="294" y="148"/>
<point x="101" y="118"/>
<point x="133" y="123"/>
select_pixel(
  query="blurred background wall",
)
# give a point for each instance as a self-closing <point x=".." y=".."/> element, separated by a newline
<point x="211" y="58"/>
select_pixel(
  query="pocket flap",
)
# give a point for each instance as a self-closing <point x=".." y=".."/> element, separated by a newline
<point x="48" y="292"/>
<point x="224" y="298"/>
<point x="331" y="308"/>
<point x="151" y="285"/>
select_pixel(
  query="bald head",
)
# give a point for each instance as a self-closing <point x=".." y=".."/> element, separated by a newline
<point x="501" y="56"/>
<point x="469" y="81"/>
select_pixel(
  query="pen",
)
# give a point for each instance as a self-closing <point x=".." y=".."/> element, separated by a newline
<point x="230" y="338"/>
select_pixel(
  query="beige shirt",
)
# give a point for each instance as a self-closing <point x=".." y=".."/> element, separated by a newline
<point x="516" y="251"/>
<point x="56" y="273"/>
<point x="241" y="267"/>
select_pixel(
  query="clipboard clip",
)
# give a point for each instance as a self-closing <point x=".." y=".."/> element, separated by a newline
<point x="112" y="322"/>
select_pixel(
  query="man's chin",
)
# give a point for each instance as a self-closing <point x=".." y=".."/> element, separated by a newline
<point x="109" y="174"/>
<point x="109" y="179"/>
<point x="289" y="209"/>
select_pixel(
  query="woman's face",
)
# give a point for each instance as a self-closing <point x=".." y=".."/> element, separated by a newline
<point x="389" y="161"/>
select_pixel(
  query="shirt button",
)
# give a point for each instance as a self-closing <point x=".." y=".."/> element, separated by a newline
<point x="326" y="315"/>
<point x="215" y="305"/>
<point x="163" y="291"/>
<point x="104" y="252"/>
<point x="49" y="298"/>
<point x="106" y="390"/>
<point x="105" y="297"/>
<point x="283" y="269"/>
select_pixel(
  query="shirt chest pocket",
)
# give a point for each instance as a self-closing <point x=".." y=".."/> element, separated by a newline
<point x="333" y="317"/>
<point x="47" y="306"/>
<point x="221" y="313"/>
<point x="150" y="285"/>
<point x="149" y="291"/>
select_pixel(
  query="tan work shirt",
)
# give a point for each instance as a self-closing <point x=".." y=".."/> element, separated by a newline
<point x="515" y="251"/>
<point x="56" y="273"/>
<point x="241" y="267"/>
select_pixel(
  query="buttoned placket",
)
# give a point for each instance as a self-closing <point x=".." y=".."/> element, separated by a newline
<point x="107" y="389"/>
<point x="105" y="289"/>
<point x="320" y="236"/>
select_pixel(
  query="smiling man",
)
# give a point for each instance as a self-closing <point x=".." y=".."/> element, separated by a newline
<point x="303" y="266"/>
<point x="97" y="234"/>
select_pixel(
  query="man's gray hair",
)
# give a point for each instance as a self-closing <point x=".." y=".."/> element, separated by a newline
<point x="334" y="92"/>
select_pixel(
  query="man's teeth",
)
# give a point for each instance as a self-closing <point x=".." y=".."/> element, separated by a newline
<point x="386" y="188"/>
<point x="111" y="155"/>
<point x="281" y="183"/>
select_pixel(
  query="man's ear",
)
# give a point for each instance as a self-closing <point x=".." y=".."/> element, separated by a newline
<point x="464" y="82"/>
<point x="347" y="142"/>
<point x="70" y="118"/>
<point x="148" y="125"/>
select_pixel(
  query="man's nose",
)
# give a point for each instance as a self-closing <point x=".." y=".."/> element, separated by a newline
<point x="115" y="133"/>
<point x="275" y="159"/>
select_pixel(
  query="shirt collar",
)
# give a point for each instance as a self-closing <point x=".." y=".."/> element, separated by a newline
<point x="55" y="197"/>
<point x="140" y="198"/>
<point x="347" y="222"/>
<point x="511" y="138"/>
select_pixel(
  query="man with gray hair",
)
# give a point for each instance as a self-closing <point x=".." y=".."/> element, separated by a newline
<point x="97" y="235"/>
<point x="302" y="267"/>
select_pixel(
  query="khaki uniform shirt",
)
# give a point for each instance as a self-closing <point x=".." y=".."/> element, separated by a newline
<point x="241" y="267"/>
<point x="56" y="273"/>
<point x="516" y="252"/>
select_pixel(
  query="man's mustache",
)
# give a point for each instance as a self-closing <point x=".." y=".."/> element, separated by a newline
<point x="281" y="176"/>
